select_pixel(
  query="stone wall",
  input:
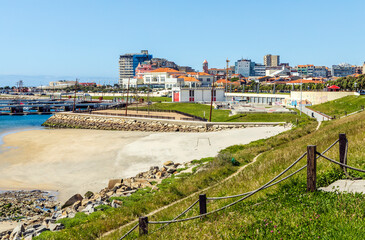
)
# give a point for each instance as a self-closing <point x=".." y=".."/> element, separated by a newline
<point x="318" y="97"/>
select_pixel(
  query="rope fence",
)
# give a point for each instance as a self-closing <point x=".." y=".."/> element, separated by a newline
<point x="312" y="156"/>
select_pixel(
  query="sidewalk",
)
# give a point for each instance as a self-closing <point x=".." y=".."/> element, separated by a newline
<point x="314" y="114"/>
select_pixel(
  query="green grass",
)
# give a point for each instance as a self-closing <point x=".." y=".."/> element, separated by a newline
<point x="172" y="189"/>
<point x="195" y="109"/>
<point x="264" y="117"/>
<point x="218" y="115"/>
<point x="152" y="99"/>
<point x="295" y="213"/>
<point x="339" y="106"/>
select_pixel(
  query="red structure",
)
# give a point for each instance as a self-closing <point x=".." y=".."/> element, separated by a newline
<point x="334" y="88"/>
<point x="205" y="66"/>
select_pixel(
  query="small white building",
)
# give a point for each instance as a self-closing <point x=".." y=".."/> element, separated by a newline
<point x="198" y="94"/>
<point x="132" y="82"/>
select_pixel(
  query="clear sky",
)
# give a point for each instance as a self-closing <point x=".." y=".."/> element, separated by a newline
<point x="84" y="38"/>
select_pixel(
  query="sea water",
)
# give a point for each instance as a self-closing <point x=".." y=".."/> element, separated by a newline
<point x="12" y="124"/>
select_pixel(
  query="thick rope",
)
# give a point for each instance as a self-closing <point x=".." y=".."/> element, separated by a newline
<point x="185" y="211"/>
<point x="243" y="194"/>
<point x="129" y="231"/>
<point x="303" y="155"/>
<point x="341" y="164"/>
<point x="231" y="204"/>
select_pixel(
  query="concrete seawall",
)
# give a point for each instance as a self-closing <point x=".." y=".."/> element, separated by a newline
<point x="123" y="123"/>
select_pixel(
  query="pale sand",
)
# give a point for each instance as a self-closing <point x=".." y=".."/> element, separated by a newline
<point x="7" y="225"/>
<point x="77" y="160"/>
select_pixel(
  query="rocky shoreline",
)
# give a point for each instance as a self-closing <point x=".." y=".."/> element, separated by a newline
<point x="86" y="121"/>
<point x="37" y="211"/>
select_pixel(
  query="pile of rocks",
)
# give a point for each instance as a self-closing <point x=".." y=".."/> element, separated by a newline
<point x="117" y="188"/>
<point x="89" y="203"/>
<point x="25" y="204"/>
<point x="62" y="120"/>
<point x="32" y="208"/>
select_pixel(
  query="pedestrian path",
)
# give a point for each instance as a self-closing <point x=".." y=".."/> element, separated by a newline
<point x="314" y="114"/>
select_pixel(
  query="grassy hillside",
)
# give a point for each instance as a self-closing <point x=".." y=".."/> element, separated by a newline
<point x="144" y="201"/>
<point x="339" y="106"/>
<point x="218" y="115"/>
<point x="285" y="211"/>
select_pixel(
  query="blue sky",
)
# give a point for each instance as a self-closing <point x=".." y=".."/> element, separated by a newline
<point x="42" y="39"/>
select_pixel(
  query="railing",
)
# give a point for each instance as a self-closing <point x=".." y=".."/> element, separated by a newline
<point x="175" y="111"/>
<point x="312" y="156"/>
<point x="133" y="115"/>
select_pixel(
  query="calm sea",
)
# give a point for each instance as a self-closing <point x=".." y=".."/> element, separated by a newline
<point x="11" y="124"/>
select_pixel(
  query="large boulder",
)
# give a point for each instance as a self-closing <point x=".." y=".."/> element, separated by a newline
<point x="168" y="163"/>
<point x="112" y="182"/>
<point x="72" y="200"/>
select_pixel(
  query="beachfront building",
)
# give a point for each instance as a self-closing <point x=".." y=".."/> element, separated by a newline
<point x="198" y="94"/>
<point x="342" y="70"/>
<point x="245" y="67"/>
<point x="310" y="70"/>
<point x="205" y="79"/>
<point x="129" y="62"/>
<point x="163" y="78"/>
<point x="131" y="82"/>
<point x="60" y="84"/>
<point x="259" y="70"/>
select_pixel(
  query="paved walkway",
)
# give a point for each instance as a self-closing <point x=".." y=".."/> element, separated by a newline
<point x="349" y="186"/>
<point x="314" y="114"/>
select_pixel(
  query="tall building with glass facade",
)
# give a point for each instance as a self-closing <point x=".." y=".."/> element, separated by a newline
<point x="129" y="61"/>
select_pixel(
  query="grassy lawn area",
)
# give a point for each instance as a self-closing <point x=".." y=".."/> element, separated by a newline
<point x="264" y="117"/>
<point x="152" y="99"/>
<point x="223" y="115"/>
<point x="195" y="109"/>
<point x="339" y="106"/>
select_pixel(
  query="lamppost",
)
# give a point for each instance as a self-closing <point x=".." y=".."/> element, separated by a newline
<point x="301" y="96"/>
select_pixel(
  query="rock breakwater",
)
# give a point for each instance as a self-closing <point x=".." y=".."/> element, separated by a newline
<point x="86" y="121"/>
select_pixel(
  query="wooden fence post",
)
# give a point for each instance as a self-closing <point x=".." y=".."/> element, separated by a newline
<point x="311" y="168"/>
<point x="203" y="203"/>
<point x="342" y="148"/>
<point x="143" y="226"/>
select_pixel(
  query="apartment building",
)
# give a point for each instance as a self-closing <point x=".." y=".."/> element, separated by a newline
<point x="271" y="60"/>
<point x="129" y="62"/>
<point x="342" y="70"/>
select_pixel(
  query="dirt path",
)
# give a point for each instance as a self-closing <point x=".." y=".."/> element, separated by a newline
<point x="185" y="198"/>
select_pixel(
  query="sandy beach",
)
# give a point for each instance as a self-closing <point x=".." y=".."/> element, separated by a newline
<point x="76" y="160"/>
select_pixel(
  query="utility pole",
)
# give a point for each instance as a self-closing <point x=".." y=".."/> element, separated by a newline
<point x="301" y="96"/>
<point x="211" y="102"/>
<point x="126" y="104"/>
<point x="148" y="97"/>
<point x="74" y="107"/>
<point x="136" y="95"/>
<point x="227" y="61"/>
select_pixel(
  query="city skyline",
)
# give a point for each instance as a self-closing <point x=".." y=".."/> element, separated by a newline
<point x="80" y="39"/>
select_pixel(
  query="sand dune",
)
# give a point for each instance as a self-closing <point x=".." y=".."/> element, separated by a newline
<point x="77" y="160"/>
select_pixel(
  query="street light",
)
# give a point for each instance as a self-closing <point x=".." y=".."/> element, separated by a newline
<point x="301" y="96"/>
